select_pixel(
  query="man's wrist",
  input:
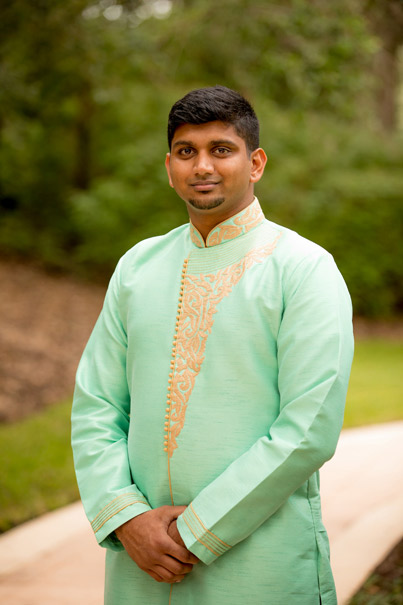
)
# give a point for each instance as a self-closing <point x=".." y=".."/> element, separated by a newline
<point x="121" y="530"/>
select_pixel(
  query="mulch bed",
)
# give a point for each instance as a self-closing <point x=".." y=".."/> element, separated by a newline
<point x="45" y="321"/>
<point x="385" y="586"/>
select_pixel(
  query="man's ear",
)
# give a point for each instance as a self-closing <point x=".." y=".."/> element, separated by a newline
<point x="167" y="166"/>
<point x="258" y="159"/>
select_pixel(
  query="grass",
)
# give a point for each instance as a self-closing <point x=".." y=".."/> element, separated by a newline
<point x="37" y="466"/>
<point x="376" y="388"/>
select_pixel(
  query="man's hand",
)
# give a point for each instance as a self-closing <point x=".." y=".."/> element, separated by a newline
<point x="174" y="533"/>
<point x="147" y="542"/>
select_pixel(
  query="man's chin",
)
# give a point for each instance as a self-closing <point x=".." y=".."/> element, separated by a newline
<point x="201" y="204"/>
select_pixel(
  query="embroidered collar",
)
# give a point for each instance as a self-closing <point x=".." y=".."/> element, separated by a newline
<point x="236" y="225"/>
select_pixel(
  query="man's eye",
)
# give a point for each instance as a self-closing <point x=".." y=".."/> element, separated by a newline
<point x="221" y="150"/>
<point x="186" y="151"/>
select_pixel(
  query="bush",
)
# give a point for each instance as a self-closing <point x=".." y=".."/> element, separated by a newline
<point x="338" y="185"/>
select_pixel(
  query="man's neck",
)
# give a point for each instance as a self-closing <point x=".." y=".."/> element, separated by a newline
<point x="206" y="220"/>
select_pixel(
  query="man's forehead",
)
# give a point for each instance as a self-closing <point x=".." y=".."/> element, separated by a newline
<point x="209" y="131"/>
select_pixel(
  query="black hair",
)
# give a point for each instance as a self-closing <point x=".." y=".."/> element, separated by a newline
<point x="216" y="103"/>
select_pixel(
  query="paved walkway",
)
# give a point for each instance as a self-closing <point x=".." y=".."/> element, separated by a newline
<point x="54" y="560"/>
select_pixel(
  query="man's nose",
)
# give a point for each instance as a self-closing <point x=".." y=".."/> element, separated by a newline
<point x="203" y="163"/>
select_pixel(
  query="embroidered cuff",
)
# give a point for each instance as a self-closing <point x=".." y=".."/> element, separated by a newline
<point x="198" y="539"/>
<point x="118" y="511"/>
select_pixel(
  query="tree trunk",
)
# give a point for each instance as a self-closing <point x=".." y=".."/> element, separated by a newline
<point x="386" y="66"/>
<point x="82" y="173"/>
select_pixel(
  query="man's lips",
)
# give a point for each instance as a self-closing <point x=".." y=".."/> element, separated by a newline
<point x="204" y="185"/>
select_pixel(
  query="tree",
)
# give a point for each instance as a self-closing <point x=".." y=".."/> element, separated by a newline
<point x="386" y="21"/>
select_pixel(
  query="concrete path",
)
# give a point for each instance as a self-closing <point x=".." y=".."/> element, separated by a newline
<point x="55" y="560"/>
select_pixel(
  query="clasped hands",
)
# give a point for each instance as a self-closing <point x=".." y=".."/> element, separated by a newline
<point x="153" y="542"/>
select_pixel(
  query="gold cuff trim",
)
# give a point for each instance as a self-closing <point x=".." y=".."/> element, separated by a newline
<point x="202" y="534"/>
<point x="114" y="507"/>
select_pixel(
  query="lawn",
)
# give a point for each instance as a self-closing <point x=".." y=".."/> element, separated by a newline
<point x="37" y="467"/>
<point x="375" y="392"/>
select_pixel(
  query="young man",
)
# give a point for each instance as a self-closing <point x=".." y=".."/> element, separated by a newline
<point x="212" y="388"/>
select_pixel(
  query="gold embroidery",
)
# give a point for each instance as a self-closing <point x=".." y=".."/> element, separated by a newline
<point x="114" y="507"/>
<point x="199" y="539"/>
<point x="198" y="301"/>
<point x="237" y="225"/>
<point x="246" y="220"/>
<point x="223" y="233"/>
<point x="196" y="237"/>
<point x="207" y="530"/>
<point x="250" y="217"/>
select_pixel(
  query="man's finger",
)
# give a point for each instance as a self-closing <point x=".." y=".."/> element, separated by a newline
<point x="176" y="566"/>
<point x="169" y="513"/>
<point x="166" y="575"/>
<point x="181" y="553"/>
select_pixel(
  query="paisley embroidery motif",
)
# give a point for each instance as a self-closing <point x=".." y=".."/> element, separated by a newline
<point x="199" y="299"/>
<point x="240" y="224"/>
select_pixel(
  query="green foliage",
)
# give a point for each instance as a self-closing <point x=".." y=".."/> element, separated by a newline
<point x="84" y="97"/>
<point x="299" y="54"/>
<point x="38" y="473"/>
<point x="342" y="189"/>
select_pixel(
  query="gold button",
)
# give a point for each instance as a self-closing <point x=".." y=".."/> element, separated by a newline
<point x="166" y="415"/>
<point x="165" y="449"/>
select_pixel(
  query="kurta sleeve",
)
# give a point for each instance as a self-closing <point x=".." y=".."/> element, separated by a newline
<point x="100" y="424"/>
<point x="314" y="350"/>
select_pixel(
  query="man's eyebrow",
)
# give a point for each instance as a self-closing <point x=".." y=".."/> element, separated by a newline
<point x="224" y="142"/>
<point x="182" y="142"/>
<point x="212" y="143"/>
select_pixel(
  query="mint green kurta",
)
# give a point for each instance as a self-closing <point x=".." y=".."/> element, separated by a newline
<point x="216" y="377"/>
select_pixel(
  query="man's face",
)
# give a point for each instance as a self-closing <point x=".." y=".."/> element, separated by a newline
<point x="211" y="170"/>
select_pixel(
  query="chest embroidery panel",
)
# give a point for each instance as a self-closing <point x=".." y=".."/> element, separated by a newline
<point x="200" y="296"/>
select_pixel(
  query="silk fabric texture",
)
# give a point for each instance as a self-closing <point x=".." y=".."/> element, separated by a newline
<point x="215" y="378"/>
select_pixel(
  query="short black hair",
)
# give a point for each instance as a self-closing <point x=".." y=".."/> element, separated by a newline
<point x="216" y="103"/>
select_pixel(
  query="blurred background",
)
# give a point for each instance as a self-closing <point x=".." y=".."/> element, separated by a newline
<point x="85" y="89"/>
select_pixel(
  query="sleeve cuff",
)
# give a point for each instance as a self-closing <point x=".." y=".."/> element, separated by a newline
<point x="123" y="508"/>
<point x="198" y="539"/>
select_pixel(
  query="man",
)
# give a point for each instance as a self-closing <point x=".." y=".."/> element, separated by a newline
<point x="212" y="388"/>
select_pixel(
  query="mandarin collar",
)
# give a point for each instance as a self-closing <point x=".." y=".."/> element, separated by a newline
<point x="233" y="227"/>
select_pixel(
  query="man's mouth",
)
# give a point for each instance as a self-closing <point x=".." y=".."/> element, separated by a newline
<point x="204" y="185"/>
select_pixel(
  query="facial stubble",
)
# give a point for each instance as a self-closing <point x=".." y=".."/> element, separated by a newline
<point x="200" y="205"/>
